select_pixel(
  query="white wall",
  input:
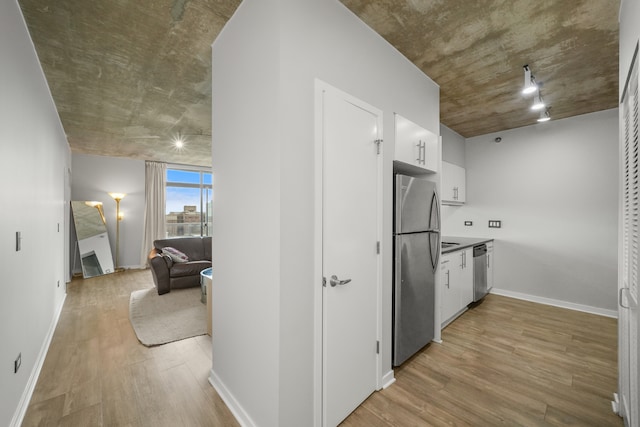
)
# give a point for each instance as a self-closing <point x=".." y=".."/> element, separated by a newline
<point x="92" y="178"/>
<point x="246" y="255"/>
<point x="33" y="162"/>
<point x="350" y="56"/>
<point x="263" y="161"/>
<point x="453" y="146"/>
<point x="554" y="186"/>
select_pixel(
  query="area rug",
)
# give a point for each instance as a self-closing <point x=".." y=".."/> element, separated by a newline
<point x="159" y="319"/>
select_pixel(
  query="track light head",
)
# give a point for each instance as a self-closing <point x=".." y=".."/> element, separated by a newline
<point x="538" y="103"/>
<point x="529" y="82"/>
<point x="544" y="116"/>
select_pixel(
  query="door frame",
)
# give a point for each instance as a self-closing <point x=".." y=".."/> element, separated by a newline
<point x="319" y="88"/>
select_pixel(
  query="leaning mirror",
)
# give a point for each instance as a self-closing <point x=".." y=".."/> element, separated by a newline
<point x="93" y="241"/>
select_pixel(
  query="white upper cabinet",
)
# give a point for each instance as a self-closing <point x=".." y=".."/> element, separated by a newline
<point x="453" y="184"/>
<point x="415" y="145"/>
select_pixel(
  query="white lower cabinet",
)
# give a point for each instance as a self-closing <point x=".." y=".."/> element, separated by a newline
<point x="465" y="276"/>
<point x="456" y="291"/>
<point x="449" y="295"/>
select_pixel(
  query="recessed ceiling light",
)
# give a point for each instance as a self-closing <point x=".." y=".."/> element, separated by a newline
<point x="179" y="141"/>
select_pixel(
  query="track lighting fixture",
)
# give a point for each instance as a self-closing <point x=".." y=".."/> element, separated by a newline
<point x="530" y="85"/>
<point x="544" y="116"/>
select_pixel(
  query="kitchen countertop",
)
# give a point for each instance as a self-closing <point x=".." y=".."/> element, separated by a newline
<point x="462" y="242"/>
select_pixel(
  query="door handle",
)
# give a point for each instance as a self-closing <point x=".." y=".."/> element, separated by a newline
<point x="335" y="281"/>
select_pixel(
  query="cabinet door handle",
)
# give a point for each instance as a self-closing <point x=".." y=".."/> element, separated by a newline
<point x="447" y="284"/>
<point x="422" y="149"/>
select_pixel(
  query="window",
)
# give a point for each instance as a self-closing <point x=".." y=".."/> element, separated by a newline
<point x="189" y="197"/>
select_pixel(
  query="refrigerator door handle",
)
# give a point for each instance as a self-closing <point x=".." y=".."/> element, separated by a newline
<point x="434" y="249"/>
<point x="398" y="266"/>
<point x="435" y="212"/>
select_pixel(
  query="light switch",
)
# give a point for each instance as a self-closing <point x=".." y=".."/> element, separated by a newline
<point x="494" y="223"/>
<point x="468" y="223"/>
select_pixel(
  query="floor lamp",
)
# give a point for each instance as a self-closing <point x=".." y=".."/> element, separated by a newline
<point x="117" y="197"/>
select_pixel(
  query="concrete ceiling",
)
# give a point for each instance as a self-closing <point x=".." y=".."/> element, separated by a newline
<point x="128" y="76"/>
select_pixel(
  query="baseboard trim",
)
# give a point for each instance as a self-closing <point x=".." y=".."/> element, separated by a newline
<point x="556" y="303"/>
<point x="21" y="410"/>
<point x="388" y="379"/>
<point x="133" y="267"/>
<point x="234" y="406"/>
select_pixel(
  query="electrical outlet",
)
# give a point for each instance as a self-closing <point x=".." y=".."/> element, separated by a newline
<point x="17" y="363"/>
<point x="494" y="223"/>
<point x="468" y="223"/>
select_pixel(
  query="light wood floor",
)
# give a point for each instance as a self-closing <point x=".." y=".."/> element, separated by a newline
<point x="97" y="373"/>
<point x="505" y="362"/>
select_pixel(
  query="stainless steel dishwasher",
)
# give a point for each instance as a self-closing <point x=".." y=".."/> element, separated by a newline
<point x="479" y="272"/>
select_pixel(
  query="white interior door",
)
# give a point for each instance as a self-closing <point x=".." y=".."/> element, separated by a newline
<point x="350" y="264"/>
<point x="629" y="276"/>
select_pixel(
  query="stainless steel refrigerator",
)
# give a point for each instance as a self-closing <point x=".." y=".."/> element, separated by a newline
<point x="416" y="252"/>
